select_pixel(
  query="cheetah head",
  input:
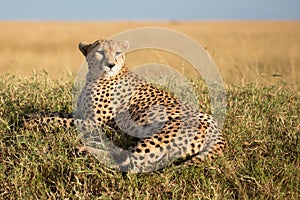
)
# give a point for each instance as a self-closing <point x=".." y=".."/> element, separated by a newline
<point x="105" y="58"/>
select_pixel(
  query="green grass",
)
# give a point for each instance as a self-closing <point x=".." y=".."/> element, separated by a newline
<point x="262" y="160"/>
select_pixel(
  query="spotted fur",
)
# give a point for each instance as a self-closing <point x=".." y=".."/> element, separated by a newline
<point x="167" y="129"/>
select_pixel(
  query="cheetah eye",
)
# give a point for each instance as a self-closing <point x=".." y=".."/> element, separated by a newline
<point x="100" y="52"/>
<point x="118" y="53"/>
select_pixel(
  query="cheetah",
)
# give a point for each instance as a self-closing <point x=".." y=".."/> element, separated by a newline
<point x="166" y="128"/>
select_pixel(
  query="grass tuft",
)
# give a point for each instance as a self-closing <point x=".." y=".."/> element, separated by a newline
<point x="262" y="159"/>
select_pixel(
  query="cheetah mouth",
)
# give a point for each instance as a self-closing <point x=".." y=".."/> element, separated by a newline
<point x="109" y="72"/>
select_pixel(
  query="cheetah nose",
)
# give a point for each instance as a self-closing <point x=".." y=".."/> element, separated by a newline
<point x="110" y="66"/>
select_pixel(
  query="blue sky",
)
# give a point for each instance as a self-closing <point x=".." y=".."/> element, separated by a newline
<point x="149" y="9"/>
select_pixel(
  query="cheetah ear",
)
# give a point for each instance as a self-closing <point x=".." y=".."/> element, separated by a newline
<point x="124" y="45"/>
<point x="83" y="47"/>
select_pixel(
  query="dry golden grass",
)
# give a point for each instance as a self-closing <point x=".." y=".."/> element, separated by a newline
<point x="262" y="159"/>
<point x="243" y="51"/>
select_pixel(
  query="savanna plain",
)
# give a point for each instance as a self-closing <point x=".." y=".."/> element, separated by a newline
<point x="260" y="66"/>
